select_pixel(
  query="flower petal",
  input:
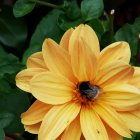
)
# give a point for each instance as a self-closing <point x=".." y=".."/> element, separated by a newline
<point x="84" y="62"/>
<point x="73" y="131"/>
<point x="122" y="97"/>
<point x="111" y="117"/>
<point x="115" y="51"/>
<point x="57" y="119"/>
<point x="57" y="59"/>
<point x="86" y="33"/>
<point x="23" y="78"/>
<point x="35" y="113"/>
<point x="34" y="128"/>
<point x="113" y="134"/>
<point x="91" y="125"/>
<point x="51" y="88"/>
<point x="114" y="72"/>
<point x="132" y="121"/>
<point x="135" y="80"/>
<point x="65" y="39"/>
<point x="36" y="61"/>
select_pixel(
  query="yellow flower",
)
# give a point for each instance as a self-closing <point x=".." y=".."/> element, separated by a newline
<point x="81" y="92"/>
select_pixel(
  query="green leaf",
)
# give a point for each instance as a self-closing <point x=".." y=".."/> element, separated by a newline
<point x="91" y="9"/>
<point x="65" y="23"/>
<point x="15" y="103"/>
<point x="47" y="28"/>
<point x="13" y="32"/>
<point x="23" y="7"/>
<point x="2" y="135"/>
<point x="72" y="9"/>
<point x="5" y="118"/>
<point x="129" y="33"/>
<point x="9" y="64"/>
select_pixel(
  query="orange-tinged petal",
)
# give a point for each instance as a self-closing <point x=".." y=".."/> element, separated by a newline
<point x="34" y="128"/>
<point x="51" y="88"/>
<point x="115" y="51"/>
<point x="91" y="125"/>
<point x="65" y="39"/>
<point x="132" y="121"/>
<point x="86" y="33"/>
<point x="114" y="72"/>
<point x="35" y="113"/>
<point x="84" y="62"/>
<point x="111" y="117"/>
<point x="23" y="78"/>
<point x="57" y="119"/>
<point x="135" y="80"/>
<point x="73" y="131"/>
<point x="36" y="61"/>
<point x="112" y="134"/>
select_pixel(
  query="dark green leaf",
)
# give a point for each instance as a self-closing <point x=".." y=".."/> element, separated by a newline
<point x="91" y="9"/>
<point x="13" y="32"/>
<point x="9" y="64"/>
<point x="72" y="9"/>
<point x="47" y="28"/>
<point x="2" y="135"/>
<point x="23" y="7"/>
<point x="15" y="103"/>
<point x="5" y="118"/>
<point x="130" y="34"/>
<point x="65" y="23"/>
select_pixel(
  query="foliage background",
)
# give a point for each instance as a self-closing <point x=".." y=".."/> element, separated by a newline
<point x="24" y="24"/>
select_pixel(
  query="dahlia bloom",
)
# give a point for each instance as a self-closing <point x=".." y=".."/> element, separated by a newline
<point x="82" y="92"/>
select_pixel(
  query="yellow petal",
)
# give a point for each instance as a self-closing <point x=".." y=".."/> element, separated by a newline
<point x="114" y="72"/>
<point x="57" y="59"/>
<point x="86" y="33"/>
<point x="111" y="117"/>
<point x="132" y="121"/>
<point x="65" y="39"/>
<point x="84" y="62"/>
<point x="135" y="80"/>
<point x="113" y="134"/>
<point x="115" y="51"/>
<point x="36" y="61"/>
<point x="122" y="97"/>
<point x="91" y="125"/>
<point x="57" y="119"/>
<point x="34" y="128"/>
<point x="51" y="88"/>
<point x="73" y="131"/>
<point x="35" y="113"/>
<point x="23" y="78"/>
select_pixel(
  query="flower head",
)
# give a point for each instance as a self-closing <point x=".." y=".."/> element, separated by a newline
<point x="81" y="92"/>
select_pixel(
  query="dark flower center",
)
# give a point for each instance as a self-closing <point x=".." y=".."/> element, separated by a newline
<point x="88" y="90"/>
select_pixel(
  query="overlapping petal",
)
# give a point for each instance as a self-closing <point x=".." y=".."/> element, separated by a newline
<point x="115" y="51"/>
<point x="83" y="59"/>
<point x="131" y="120"/>
<point x="73" y="131"/>
<point x="23" y="78"/>
<point x="35" y="113"/>
<point x="57" y="59"/>
<point x="52" y="88"/>
<point x="91" y="125"/>
<point x="113" y="73"/>
<point x="111" y="117"/>
<point x="36" y="60"/>
<point x="57" y="119"/>
<point x="65" y="39"/>
<point x="34" y="128"/>
<point x="135" y="80"/>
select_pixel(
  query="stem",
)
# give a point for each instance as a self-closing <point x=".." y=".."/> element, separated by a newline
<point x="46" y="3"/>
<point x="111" y="25"/>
